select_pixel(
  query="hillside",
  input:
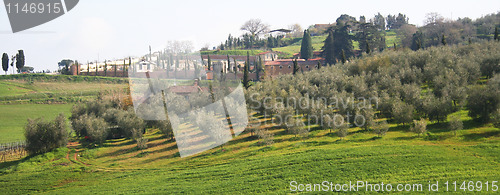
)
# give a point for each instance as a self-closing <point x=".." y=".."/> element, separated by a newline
<point x="318" y="43"/>
<point x="37" y="95"/>
<point x="244" y="166"/>
<point x="437" y="85"/>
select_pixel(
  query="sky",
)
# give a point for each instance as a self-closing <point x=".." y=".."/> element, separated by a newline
<point x="114" y="29"/>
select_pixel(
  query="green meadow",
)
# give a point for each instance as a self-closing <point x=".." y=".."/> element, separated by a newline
<point x="244" y="165"/>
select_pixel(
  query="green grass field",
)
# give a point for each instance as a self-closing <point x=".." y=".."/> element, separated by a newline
<point x="33" y="96"/>
<point x="318" y="43"/>
<point x="245" y="166"/>
<point x="14" y="117"/>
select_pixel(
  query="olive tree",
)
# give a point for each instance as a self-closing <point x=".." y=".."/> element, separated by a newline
<point x="482" y="102"/>
<point x="420" y="126"/>
<point x="44" y="136"/>
<point x="381" y="128"/>
<point x="402" y="112"/>
<point x="456" y="124"/>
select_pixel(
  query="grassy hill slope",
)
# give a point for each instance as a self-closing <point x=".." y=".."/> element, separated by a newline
<point x="37" y="95"/>
<point x="245" y="166"/>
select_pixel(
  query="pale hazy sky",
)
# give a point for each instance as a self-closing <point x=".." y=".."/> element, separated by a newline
<point x="115" y="29"/>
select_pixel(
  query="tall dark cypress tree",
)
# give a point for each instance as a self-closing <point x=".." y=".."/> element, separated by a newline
<point x="20" y="60"/>
<point x="343" y="58"/>
<point x="342" y="41"/>
<point x="209" y="63"/>
<point x="5" y="62"/>
<point x="368" y="50"/>
<point x="328" y="50"/>
<point x="306" y="49"/>
<point x="105" y="68"/>
<point x="228" y="62"/>
<point x="295" y="66"/>
<point x="443" y="40"/>
<point x="246" y="83"/>
<point x="496" y="38"/>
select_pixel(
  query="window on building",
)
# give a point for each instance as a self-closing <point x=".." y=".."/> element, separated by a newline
<point x="289" y="66"/>
<point x="281" y="67"/>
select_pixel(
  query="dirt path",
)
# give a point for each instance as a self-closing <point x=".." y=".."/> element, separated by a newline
<point x="75" y="146"/>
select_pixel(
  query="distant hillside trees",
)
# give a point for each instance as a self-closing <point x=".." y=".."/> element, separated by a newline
<point x="338" y="45"/>
<point x="370" y="38"/>
<point x="405" y="34"/>
<point x="44" y="136"/>
<point x="396" y="22"/>
<point x="5" y="62"/>
<point x="306" y="49"/>
<point x="417" y="41"/>
<point x="379" y="21"/>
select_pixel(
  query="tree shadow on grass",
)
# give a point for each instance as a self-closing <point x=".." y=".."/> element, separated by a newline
<point x="402" y="128"/>
<point x="116" y="143"/>
<point x="445" y="127"/>
<point x="483" y="135"/>
<point x="406" y="138"/>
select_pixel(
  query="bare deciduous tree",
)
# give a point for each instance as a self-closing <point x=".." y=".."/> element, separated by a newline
<point x="255" y="27"/>
<point x="432" y="18"/>
<point x="296" y="29"/>
<point x="405" y="34"/>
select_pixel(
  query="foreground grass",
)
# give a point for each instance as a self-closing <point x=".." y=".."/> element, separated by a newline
<point x="245" y="166"/>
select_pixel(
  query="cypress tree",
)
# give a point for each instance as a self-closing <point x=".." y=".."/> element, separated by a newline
<point x="245" y="72"/>
<point x="368" y="50"/>
<point x="395" y="47"/>
<point x="295" y="66"/>
<point x="319" y="64"/>
<point x="105" y="68"/>
<point x="306" y="50"/>
<point x="228" y="63"/>
<point x="209" y="63"/>
<point x="328" y="50"/>
<point x="20" y="60"/>
<point x="443" y="40"/>
<point x="5" y="62"/>
<point x="496" y="38"/>
<point x="342" y="57"/>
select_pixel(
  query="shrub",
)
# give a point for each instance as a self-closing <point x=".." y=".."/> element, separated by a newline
<point x="296" y="127"/>
<point x="456" y="124"/>
<point x="343" y="131"/>
<point x="496" y="119"/>
<point x="420" y="126"/>
<point x="142" y="143"/>
<point x="44" y="136"/>
<point x="381" y="128"/>
<point x="266" y="136"/>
